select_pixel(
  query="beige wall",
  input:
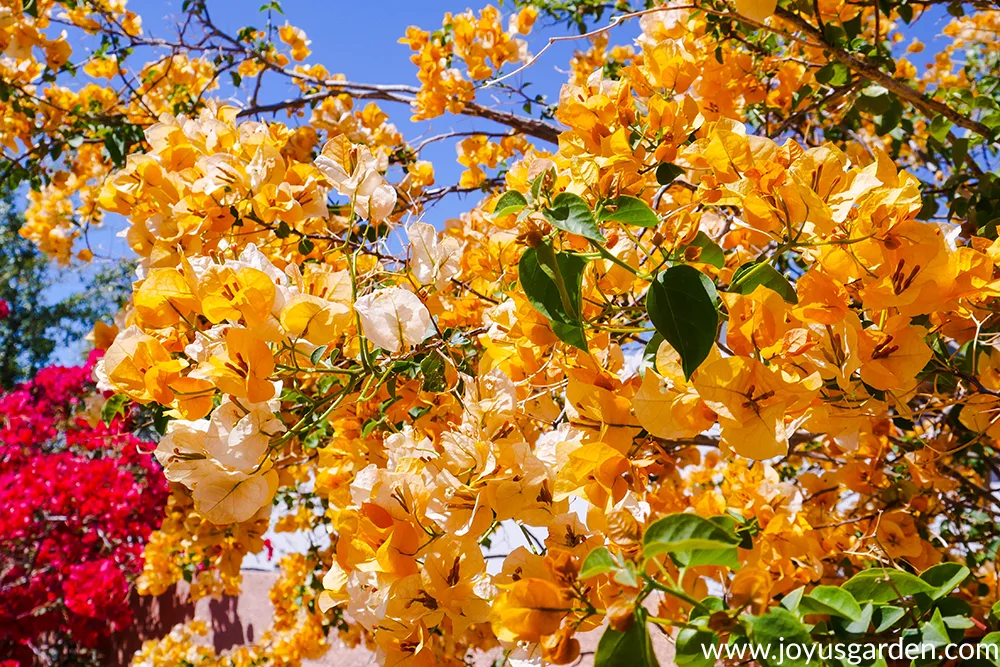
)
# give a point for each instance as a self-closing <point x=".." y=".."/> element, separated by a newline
<point x="239" y="620"/>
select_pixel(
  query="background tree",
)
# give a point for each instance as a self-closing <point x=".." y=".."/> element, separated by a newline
<point x="38" y="321"/>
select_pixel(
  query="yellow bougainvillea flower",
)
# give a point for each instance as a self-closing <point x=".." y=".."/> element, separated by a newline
<point x="164" y="298"/>
<point x="138" y="366"/>
<point x="226" y="498"/>
<point x="393" y="318"/>
<point x="355" y="173"/>
<point x="295" y="38"/>
<point x="666" y="405"/>
<point x="433" y="261"/>
<point x="529" y="610"/>
<point x="758" y="10"/>
<point x="317" y="320"/>
<point x="752" y="402"/>
<point x="597" y="469"/>
<point x="595" y="404"/>
<point x="243" y="367"/>
<point x="243" y="294"/>
<point x="894" y="355"/>
<point x="750" y="589"/>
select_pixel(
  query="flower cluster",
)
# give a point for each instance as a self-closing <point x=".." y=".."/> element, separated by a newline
<point x="480" y="43"/>
<point x="79" y="500"/>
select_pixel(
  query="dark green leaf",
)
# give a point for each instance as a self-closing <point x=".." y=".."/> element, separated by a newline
<point x="944" y="577"/>
<point x="679" y="533"/>
<point x="753" y="274"/>
<point x="667" y="173"/>
<point x="628" y="210"/>
<point x="632" y="648"/>
<point x="554" y="291"/>
<point x="433" y="369"/>
<point x="727" y="557"/>
<point x="934" y="631"/>
<point x="649" y="353"/>
<point x="833" y="74"/>
<point x="317" y="354"/>
<point x="711" y="252"/>
<point x="859" y="627"/>
<point x="571" y="213"/>
<point x="681" y="305"/>
<point x="959" y="151"/>
<point x="692" y="648"/>
<point x="873" y="100"/>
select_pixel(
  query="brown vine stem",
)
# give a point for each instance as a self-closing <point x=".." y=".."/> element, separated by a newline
<point x="406" y="95"/>
<point x="929" y="107"/>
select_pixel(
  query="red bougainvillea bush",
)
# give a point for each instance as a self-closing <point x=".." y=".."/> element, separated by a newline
<point x="78" y="500"/>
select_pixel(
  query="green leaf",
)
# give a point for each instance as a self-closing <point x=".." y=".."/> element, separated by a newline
<point x="753" y="274"/>
<point x="959" y="151"/>
<point x="885" y="585"/>
<point x="306" y="246"/>
<point x="859" y="627"/>
<point x="632" y="648"/>
<point x="777" y="629"/>
<point x="832" y="601"/>
<point x="510" y="202"/>
<point x="886" y="616"/>
<point x="833" y="74"/>
<point x="792" y="601"/>
<point x="995" y="613"/>
<point x="649" y="353"/>
<point x="113" y="407"/>
<point x="554" y="291"/>
<point x="626" y="576"/>
<point x="628" y="210"/>
<point x="433" y="369"/>
<point x="691" y="648"/>
<point x="944" y="577"/>
<point x="679" y="533"/>
<point x="711" y="252"/>
<point x="992" y="639"/>
<point x="114" y="143"/>
<point x="571" y="213"/>
<point x="727" y="557"/>
<point x="873" y="100"/>
<point x="667" y="173"/>
<point x="681" y="305"/>
<point x="599" y="561"/>
<point x="934" y="631"/>
<point x="940" y="127"/>
<point x="30" y="8"/>
<point x="317" y="354"/>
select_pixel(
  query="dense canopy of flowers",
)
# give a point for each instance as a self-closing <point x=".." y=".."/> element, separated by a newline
<point x="703" y="341"/>
<point x="79" y="497"/>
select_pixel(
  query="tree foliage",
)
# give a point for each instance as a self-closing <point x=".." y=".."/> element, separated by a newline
<point x="36" y="321"/>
